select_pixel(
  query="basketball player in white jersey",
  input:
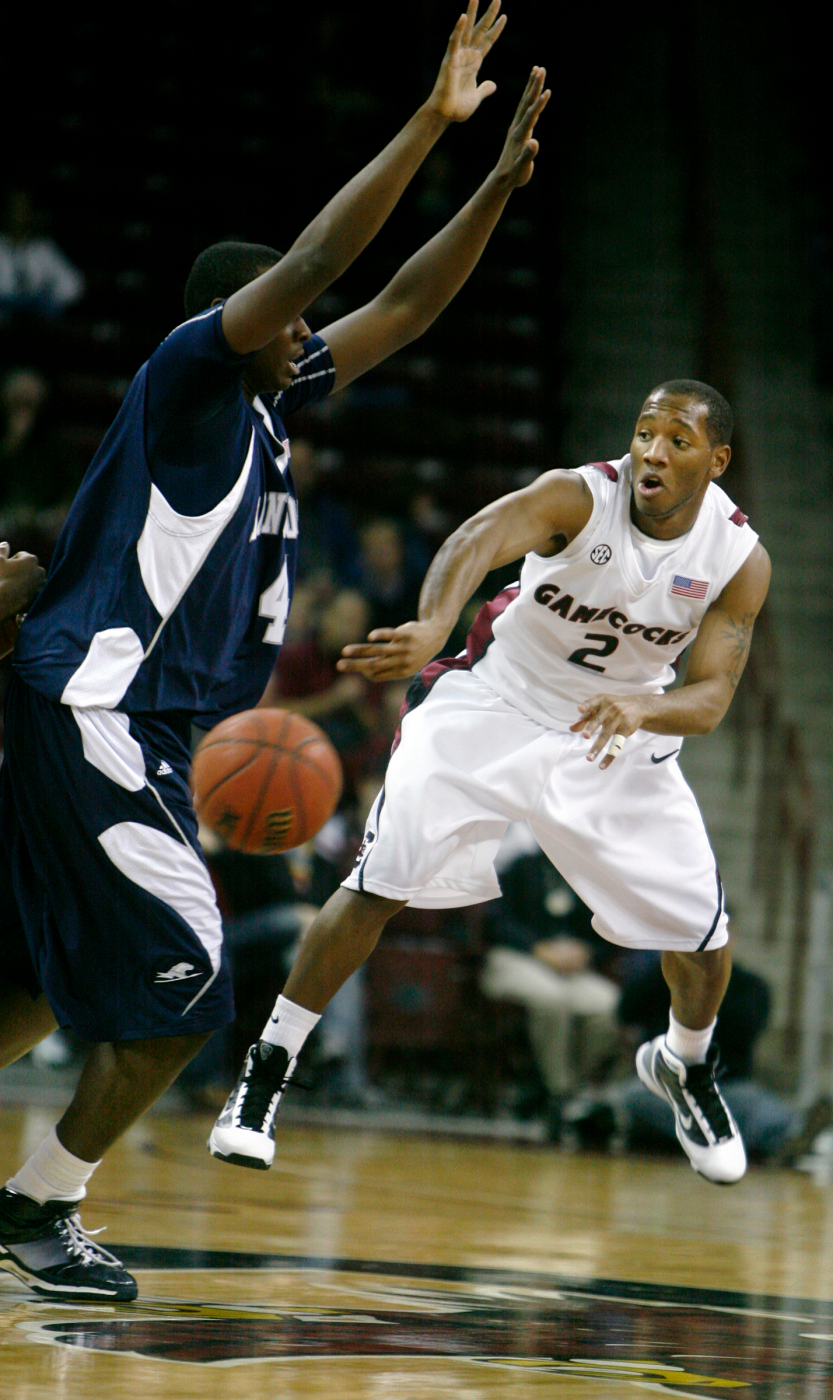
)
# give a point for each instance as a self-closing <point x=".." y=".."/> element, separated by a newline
<point x="557" y="713"/>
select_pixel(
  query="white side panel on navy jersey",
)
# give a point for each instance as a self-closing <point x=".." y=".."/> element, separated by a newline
<point x="110" y="747"/>
<point x="173" y="547"/>
<point x="587" y="620"/>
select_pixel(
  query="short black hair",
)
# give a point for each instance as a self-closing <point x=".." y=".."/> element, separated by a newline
<point x="720" y="420"/>
<point x="225" y="268"/>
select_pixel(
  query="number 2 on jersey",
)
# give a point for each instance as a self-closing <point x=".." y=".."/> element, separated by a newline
<point x="607" y="648"/>
<point x="274" y="603"/>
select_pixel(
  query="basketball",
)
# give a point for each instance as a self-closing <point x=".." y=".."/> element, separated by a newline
<point x="265" y="780"/>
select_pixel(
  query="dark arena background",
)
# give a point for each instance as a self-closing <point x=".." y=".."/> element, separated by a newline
<point x="473" y="1198"/>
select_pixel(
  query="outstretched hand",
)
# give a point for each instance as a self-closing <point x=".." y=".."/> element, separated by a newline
<point x="456" y="93"/>
<point x="393" y="653"/>
<point x="21" y="579"/>
<point x="520" y="148"/>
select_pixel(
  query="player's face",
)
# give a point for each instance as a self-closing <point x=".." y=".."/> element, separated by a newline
<point x="273" y="368"/>
<point x="673" y="462"/>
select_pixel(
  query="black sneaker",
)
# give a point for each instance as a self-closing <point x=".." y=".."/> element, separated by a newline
<point x="47" y="1247"/>
<point x="244" y="1131"/>
<point x="706" y="1130"/>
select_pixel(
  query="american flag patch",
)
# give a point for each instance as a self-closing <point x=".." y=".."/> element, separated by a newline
<point x="689" y="587"/>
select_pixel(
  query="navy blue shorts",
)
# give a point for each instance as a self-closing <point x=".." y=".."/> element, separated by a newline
<point x="106" y="904"/>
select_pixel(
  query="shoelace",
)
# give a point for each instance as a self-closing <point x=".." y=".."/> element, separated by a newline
<point x="79" y="1241"/>
<point x="701" y="1085"/>
<point x="259" y="1093"/>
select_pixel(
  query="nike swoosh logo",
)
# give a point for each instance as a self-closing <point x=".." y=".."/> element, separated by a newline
<point x="186" y="977"/>
<point x="663" y="756"/>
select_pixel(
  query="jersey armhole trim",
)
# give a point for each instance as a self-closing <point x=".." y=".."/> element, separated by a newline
<point x="609" y="471"/>
<point x="580" y="542"/>
<point x="738" y="517"/>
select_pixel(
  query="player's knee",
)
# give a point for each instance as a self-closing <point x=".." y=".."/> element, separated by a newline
<point x="364" y="913"/>
<point x="709" y="967"/>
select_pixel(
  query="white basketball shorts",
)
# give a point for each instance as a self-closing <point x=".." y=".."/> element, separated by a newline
<point x="629" y="840"/>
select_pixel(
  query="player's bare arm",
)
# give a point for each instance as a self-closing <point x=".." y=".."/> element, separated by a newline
<point x="542" y="518"/>
<point x="255" y="314"/>
<point x="433" y="276"/>
<point x="716" y="664"/>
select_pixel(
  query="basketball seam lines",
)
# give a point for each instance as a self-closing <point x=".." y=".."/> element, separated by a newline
<point x="256" y="806"/>
<point x="206" y="796"/>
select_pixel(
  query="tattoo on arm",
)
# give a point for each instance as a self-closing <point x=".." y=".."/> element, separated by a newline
<point x="738" y="635"/>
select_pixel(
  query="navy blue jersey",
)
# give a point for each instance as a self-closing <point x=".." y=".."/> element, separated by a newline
<point x="171" y="582"/>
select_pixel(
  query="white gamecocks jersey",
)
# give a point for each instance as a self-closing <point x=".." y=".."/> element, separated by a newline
<point x="588" y="620"/>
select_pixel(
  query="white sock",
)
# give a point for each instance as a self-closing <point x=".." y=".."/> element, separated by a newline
<point x="289" y="1025"/>
<point x="691" y="1047"/>
<point x="52" y="1173"/>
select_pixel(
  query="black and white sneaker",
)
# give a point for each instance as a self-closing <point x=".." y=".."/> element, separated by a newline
<point x="47" y="1247"/>
<point x="706" y="1130"/>
<point x="244" y="1131"/>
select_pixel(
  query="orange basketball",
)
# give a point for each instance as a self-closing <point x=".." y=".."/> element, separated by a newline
<point x="265" y="780"/>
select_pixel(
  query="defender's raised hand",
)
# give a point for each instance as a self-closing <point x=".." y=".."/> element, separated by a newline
<point x="456" y="93"/>
<point x="520" y="148"/>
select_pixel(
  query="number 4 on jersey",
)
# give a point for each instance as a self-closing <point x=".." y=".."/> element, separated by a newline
<point x="274" y="603"/>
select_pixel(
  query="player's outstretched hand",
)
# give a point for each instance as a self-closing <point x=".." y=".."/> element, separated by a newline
<point x="606" y="715"/>
<point x="21" y="580"/>
<point x="517" y="159"/>
<point x="393" y="653"/>
<point x="456" y="93"/>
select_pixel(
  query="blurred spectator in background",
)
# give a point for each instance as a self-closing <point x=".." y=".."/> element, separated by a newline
<point x="329" y="549"/>
<point x="436" y="197"/>
<point x="305" y="679"/>
<point x="771" y="1127"/>
<point x="29" y="463"/>
<point x="545" y="956"/>
<point x="267" y="903"/>
<point x="391" y="573"/>
<point x="262" y="922"/>
<point x="37" y="281"/>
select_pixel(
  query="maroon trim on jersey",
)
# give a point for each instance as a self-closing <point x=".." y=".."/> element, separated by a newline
<point x="610" y="472"/>
<point x="738" y="517"/>
<point x="478" y="641"/>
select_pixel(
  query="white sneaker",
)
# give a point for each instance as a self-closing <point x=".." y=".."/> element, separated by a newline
<point x="244" y="1132"/>
<point x="706" y="1130"/>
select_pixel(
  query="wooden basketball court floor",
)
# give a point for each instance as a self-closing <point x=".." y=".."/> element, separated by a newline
<point x="389" y="1267"/>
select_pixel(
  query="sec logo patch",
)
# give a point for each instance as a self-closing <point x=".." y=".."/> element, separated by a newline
<point x="601" y="554"/>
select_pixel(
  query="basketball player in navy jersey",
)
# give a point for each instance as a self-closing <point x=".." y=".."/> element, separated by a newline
<point x="166" y="603"/>
<point x="626" y="564"/>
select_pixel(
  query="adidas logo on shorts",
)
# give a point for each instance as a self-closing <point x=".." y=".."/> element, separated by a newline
<point x="164" y="769"/>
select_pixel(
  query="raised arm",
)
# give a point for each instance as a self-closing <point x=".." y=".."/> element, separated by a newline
<point x="253" y="316"/>
<point x="557" y="506"/>
<point x="429" y="280"/>
<point x="715" y="666"/>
